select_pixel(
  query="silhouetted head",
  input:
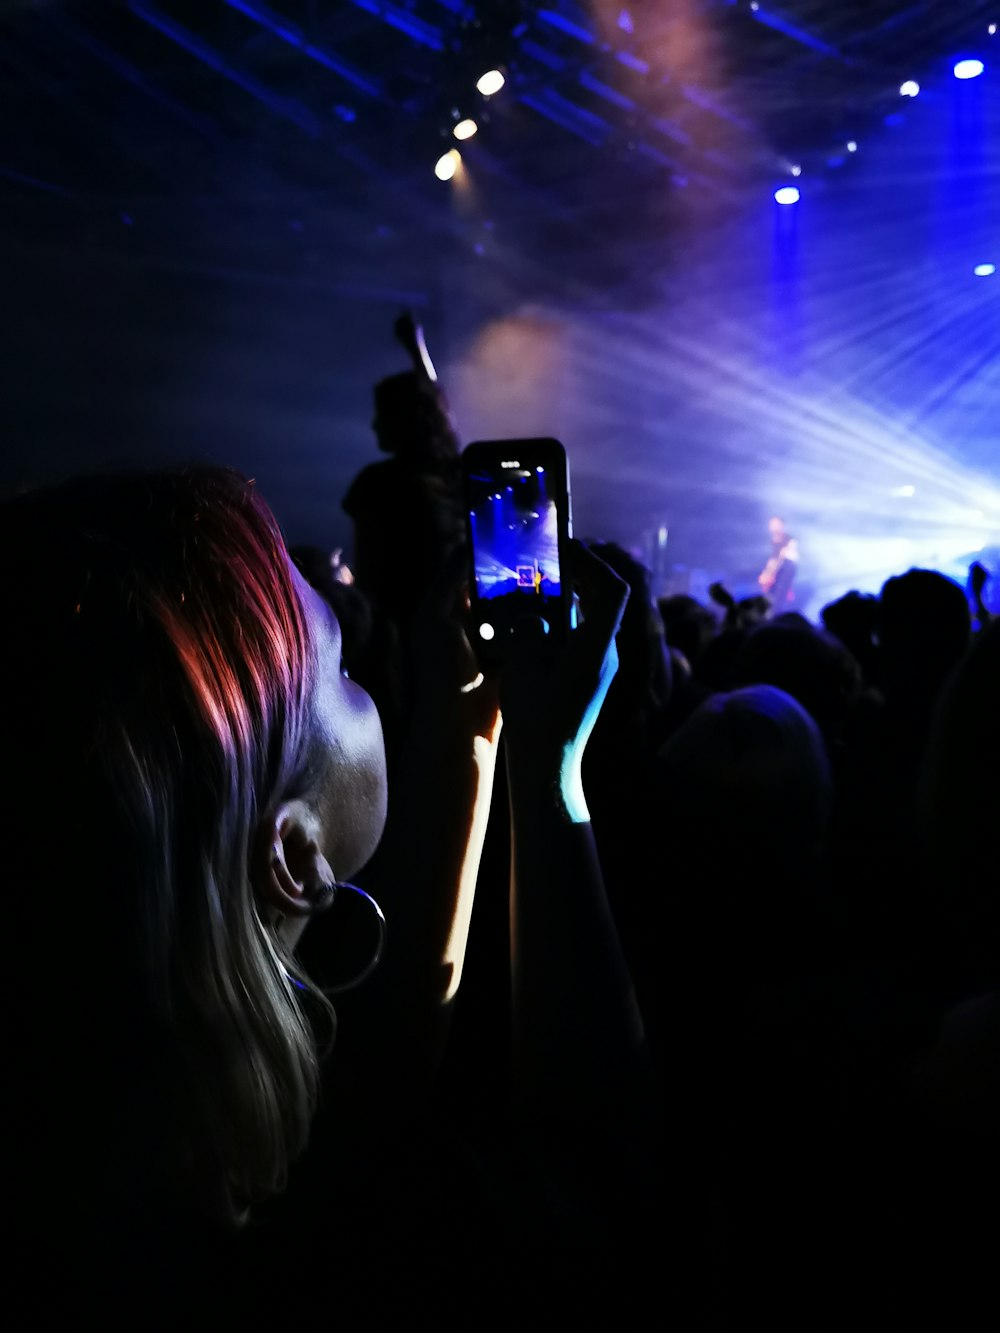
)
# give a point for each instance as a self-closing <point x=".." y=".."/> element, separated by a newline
<point x="810" y="665"/>
<point x="924" y="630"/>
<point x="688" y="625"/>
<point x="853" y="619"/>
<point x="412" y="419"/>
<point x="745" y="790"/>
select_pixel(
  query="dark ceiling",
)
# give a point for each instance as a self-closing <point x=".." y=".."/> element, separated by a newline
<point x="615" y="112"/>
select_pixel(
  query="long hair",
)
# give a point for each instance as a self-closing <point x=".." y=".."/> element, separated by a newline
<point x="155" y="692"/>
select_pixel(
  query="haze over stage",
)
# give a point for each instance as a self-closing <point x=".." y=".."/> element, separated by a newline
<point x="211" y="209"/>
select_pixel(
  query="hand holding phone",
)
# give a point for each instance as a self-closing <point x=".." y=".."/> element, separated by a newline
<point x="550" y="702"/>
<point x="518" y="524"/>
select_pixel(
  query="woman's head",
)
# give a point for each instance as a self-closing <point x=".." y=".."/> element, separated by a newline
<point x="191" y="769"/>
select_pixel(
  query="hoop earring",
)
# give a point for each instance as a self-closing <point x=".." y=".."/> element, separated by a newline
<point x="342" y="886"/>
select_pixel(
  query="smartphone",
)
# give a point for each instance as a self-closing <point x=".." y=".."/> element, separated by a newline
<point x="518" y="523"/>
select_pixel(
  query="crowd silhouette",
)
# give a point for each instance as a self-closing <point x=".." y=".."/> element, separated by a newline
<point x="717" y="1049"/>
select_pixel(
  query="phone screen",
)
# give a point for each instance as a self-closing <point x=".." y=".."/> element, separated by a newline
<point x="518" y="520"/>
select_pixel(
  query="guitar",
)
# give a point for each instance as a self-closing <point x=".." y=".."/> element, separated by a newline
<point x="769" y="573"/>
<point x="788" y="554"/>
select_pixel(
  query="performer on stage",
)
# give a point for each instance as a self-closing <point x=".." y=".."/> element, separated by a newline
<point x="777" y="577"/>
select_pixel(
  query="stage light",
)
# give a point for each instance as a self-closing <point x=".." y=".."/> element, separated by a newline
<point x="992" y="29"/>
<point x="984" y="270"/>
<point x="788" y="194"/>
<point x="852" y="147"/>
<point x="796" y="170"/>
<point x="909" y="89"/>
<point x="465" y="129"/>
<point x="905" y="491"/>
<point x="969" y="69"/>
<point x="447" y="164"/>
<point x="491" y="82"/>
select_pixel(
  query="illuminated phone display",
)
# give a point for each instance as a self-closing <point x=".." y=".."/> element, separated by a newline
<point x="518" y="522"/>
<point x="515" y="540"/>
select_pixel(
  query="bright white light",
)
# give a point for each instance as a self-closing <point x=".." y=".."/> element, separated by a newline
<point x="788" y="194"/>
<point x="969" y="69"/>
<point x="447" y="164"/>
<point x="992" y="29"/>
<point x="486" y="631"/>
<point x="754" y="5"/>
<point x="905" y="491"/>
<point x="984" y="270"/>
<point x="852" y="147"/>
<point x="909" y="89"/>
<point x="465" y="129"/>
<point x="491" y="82"/>
<point x="796" y="170"/>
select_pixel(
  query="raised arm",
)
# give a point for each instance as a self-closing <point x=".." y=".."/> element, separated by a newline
<point x="425" y="870"/>
<point x="578" y="1043"/>
<point x="411" y="336"/>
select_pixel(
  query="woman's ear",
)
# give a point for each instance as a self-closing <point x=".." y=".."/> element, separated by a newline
<point x="289" y="873"/>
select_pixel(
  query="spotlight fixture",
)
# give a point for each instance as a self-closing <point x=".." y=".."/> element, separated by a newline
<point x="968" y="69"/>
<point x="984" y="270"/>
<point x="465" y="129"/>
<point x="491" y="82"/>
<point x="992" y="29"/>
<point x="796" y="170"/>
<point x="852" y="147"/>
<point x="909" y="89"/>
<point x="788" y="194"/>
<point x="447" y="164"/>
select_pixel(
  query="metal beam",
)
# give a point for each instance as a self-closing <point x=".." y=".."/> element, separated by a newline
<point x="416" y="29"/>
<point x="127" y="71"/>
<point x="561" y="111"/>
<point x="9" y="174"/>
<point x="285" y="107"/>
<point x="279" y="27"/>
<point x="770" y="19"/>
